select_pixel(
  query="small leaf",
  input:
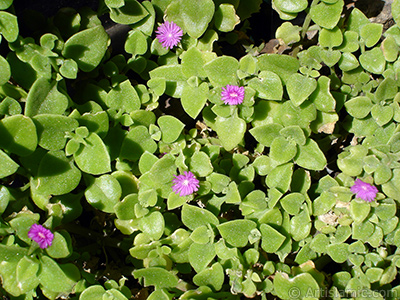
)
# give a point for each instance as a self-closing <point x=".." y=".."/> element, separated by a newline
<point x="330" y="38"/>
<point x="358" y="107"/>
<point x="18" y="135"/>
<point x="225" y="17"/>
<point x="193" y="217"/>
<point x="280" y="177"/>
<point x="291" y="6"/>
<point x="123" y="96"/>
<point x="137" y="142"/>
<point x="230" y="131"/>
<point x="8" y="166"/>
<point x="371" y="33"/>
<point x="136" y="43"/>
<point x="282" y="150"/>
<point x="222" y="70"/>
<point x="87" y="47"/>
<point x="236" y="232"/>
<point x="45" y="98"/>
<point x="310" y="156"/>
<point x="191" y="15"/>
<point x="194" y="98"/>
<point x="93" y="158"/>
<point x="267" y="86"/>
<point x="327" y="15"/>
<point x="6" y="71"/>
<point x="8" y="26"/>
<point x="103" y="192"/>
<point x="212" y="277"/>
<point x="272" y="239"/>
<point x="300" y="87"/>
<point x="170" y="128"/>
<point x="282" y="65"/>
<point x="153" y="225"/>
<point x="373" y="60"/>
<point x="57" y="175"/>
<point x="130" y="13"/>
<point x="200" y="256"/>
<point x="157" y="277"/>
<point x="322" y="97"/>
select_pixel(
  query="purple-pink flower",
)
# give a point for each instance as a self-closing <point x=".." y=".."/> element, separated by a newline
<point x="185" y="184"/>
<point x="232" y="94"/>
<point x="364" y="191"/>
<point x="43" y="236"/>
<point x="169" y="34"/>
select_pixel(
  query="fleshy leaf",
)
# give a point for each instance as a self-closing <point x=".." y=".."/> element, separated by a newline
<point x="87" y="47"/>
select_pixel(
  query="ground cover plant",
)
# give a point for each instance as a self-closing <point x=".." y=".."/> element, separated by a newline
<point x="192" y="161"/>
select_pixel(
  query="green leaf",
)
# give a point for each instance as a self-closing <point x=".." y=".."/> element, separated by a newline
<point x="272" y="239"/>
<point x="193" y="217"/>
<point x="191" y="15"/>
<point x="170" y="128"/>
<point x="236" y="232"/>
<point x="157" y="277"/>
<point x="330" y="38"/>
<point x="300" y="226"/>
<point x="280" y="177"/>
<point x="265" y="134"/>
<point x="92" y="292"/>
<point x="103" y="192"/>
<point x="358" y="107"/>
<point x="193" y="61"/>
<point x="292" y="202"/>
<point x="69" y="69"/>
<point x="268" y="86"/>
<point x="371" y="33"/>
<point x="9" y="271"/>
<point x="288" y="33"/>
<point x="93" y="158"/>
<point x="225" y="18"/>
<point x="373" y="60"/>
<point x="304" y="285"/>
<point x="87" y="47"/>
<point x="382" y="114"/>
<point x="230" y="131"/>
<point x="4" y="4"/>
<point x="200" y="164"/>
<point x="282" y="150"/>
<point x="8" y="166"/>
<point x="213" y="277"/>
<point x="123" y="96"/>
<point x="194" y="98"/>
<point x="45" y="98"/>
<point x="200" y="256"/>
<point x="222" y="70"/>
<point x="310" y="156"/>
<point x="282" y="65"/>
<point x="130" y="13"/>
<point x="61" y="246"/>
<point x="291" y="6"/>
<point x="300" y="87"/>
<point x="5" y="70"/>
<point x="57" y="175"/>
<point x="390" y="48"/>
<point x="137" y="142"/>
<point x="18" y="135"/>
<point x="322" y="97"/>
<point x="52" y="130"/>
<point x="57" y="278"/>
<point x="26" y="274"/>
<point x="348" y="62"/>
<point x="327" y="15"/>
<point x="8" y="26"/>
<point x="153" y="225"/>
<point x="136" y="43"/>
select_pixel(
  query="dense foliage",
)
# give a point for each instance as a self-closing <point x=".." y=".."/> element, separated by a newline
<point x="152" y="176"/>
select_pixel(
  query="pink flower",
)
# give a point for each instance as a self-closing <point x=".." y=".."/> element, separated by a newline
<point x="185" y="184"/>
<point x="232" y="94"/>
<point x="169" y="34"/>
<point x="41" y="235"/>
<point x="364" y="191"/>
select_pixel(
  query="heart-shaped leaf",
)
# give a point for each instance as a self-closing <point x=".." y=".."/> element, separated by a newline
<point x="230" y="131"/>
<point x="300" y="87"/>
<point x="327" y="15"/>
